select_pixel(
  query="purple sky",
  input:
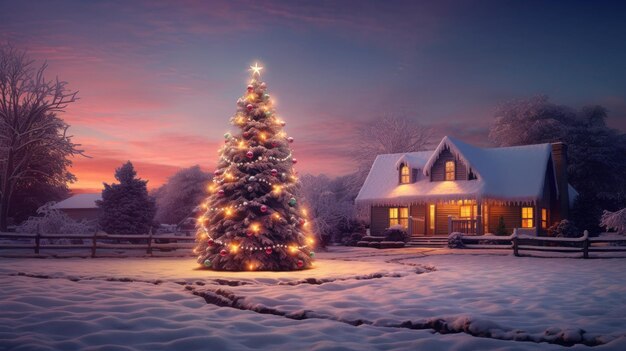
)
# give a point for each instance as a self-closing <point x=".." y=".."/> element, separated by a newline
<point x="158" y="80"/>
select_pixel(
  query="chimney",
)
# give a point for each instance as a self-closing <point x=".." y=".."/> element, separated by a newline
<point x="559" y="156"/>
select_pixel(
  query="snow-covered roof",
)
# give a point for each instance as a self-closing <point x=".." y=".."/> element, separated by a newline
<point x="509" y="174"/>
<point x="79" y="201"/>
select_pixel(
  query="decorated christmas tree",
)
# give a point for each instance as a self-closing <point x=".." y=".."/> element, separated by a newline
<point x="252" y="219"/>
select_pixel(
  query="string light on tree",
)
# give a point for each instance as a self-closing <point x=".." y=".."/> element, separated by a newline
<point x="252" y="220"/>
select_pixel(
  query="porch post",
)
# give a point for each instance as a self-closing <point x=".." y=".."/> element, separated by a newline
<point x="410" y="224"/>
<point x="479" y="217"/>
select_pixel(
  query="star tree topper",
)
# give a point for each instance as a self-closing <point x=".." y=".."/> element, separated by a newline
<point x="256" y="69"/>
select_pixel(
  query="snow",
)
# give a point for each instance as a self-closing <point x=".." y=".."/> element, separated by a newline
<point x="505" y="174"/>
<point x="354" y="299"/>
<point x="87" y="200"/>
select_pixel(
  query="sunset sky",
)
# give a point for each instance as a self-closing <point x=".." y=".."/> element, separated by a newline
<point x="158" y="80"/>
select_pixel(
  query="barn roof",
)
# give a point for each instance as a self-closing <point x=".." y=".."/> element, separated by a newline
<point x="79" y="201"/>
<point x="508" y="174"/>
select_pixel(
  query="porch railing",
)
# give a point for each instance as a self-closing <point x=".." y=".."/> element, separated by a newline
<point x="466" y="226"/>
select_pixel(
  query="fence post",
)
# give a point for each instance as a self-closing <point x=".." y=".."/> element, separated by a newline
<point x="37" y="238"/>
<point x="449" y="224"/>
<point x="93" y="244"/>
<point x="149" y="251"/>
<point x="515" y="243"/>
<point x="586" y="244"/>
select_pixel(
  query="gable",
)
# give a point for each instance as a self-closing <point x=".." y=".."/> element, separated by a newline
<point x="438" y="170"/>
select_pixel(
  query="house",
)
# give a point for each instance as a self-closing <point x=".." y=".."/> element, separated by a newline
<point x="461" y="187"/>
<point x="80" y="206"/>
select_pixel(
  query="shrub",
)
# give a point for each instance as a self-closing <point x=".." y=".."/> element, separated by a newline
<point x="564" y="229"/>
<point x="455" y="240"/>
<point x="501" y="228"/>
<point x="353" y="239"/>
<point x="53" y="221"/>
<point x="396" y="233"/>
<point x="614" y="220"/>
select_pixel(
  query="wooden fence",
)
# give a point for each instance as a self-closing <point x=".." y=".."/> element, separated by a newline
<point x="524" y="245"/>
<point x="96" y="241"/>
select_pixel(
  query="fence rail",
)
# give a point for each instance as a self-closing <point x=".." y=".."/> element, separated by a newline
<point x="524" y="245"/>
<point x="97" y="241"/>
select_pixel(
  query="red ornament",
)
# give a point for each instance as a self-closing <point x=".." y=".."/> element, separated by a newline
<point x="250" y="88"/>
<point x="220" y="192"/>
<point x="282" y="123"/>
<point x="263" y="208"/>
<point x="275" y="143"/>
<point x="290" y="139"/>
<point x="226" y="141"/>
<point x="223" y="253"/>
<point x="249" y="107"/>
<point x="294" y="160"/>
<point x="249" y="154"/>
<point x="274" y="172"/>
<point x="302" y="221"/>
<point x="249" y="233"/>
<point x="300" y="263"/>
<point x="246" y="135"/>
<point x="210" y="242"/>
<point x="268" y="251"/>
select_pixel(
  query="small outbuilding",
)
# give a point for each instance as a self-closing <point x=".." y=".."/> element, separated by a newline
<point x="80" y="206"/>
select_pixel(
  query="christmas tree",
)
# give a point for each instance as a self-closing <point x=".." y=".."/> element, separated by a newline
<point x="252" y="219"/>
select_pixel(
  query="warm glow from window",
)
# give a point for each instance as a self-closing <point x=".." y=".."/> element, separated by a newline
<point x="399" y="215"/>
<point x="527" y="217"/>
<point x="431" y="217"/>
<point x="405" y="175"/>
<point x="450" y="170"/>
<point x="544" y="218"/>
<point x="466" y="211"/>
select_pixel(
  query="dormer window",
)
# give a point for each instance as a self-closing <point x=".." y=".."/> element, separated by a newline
<point x="405" y="174"/>
<point x="450" y="170"/>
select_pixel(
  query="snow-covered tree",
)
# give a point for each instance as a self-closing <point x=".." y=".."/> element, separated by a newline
<point x="386" y="135"/>
<point x="126" y="207"/>
<point x="34" y="145"/>
<point x="183" y="192"/>
<point x="614" y="220"/>
<point x="53" y="221"/>
<point x="596" y="153"/>
<point x="328" y="208"/>
<point x="253" y="219"/>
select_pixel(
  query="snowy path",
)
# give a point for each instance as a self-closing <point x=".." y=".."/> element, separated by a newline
<point x="355" y="299"/>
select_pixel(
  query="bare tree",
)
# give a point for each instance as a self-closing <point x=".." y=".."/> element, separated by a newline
<point x="387" y="135"/>
<point x="33" y="140"/>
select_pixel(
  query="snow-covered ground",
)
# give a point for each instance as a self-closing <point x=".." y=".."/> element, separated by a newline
<point x="354" y="299"/>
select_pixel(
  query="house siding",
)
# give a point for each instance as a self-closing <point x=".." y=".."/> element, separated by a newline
<point x="419" y="226"/>
<point x="380" y="220"/>
<point x="512" y="217"/>
<point x="442" y="211"/>
<point x="438" y="171"/>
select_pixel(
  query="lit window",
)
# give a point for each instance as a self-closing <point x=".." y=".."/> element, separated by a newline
<point x="431" y="217"/>
<point x="405" y="174"/>
<point x="544" y="218"/>
<point x="466" y="211"/>
<point x="399" y="215"/>
<point x="527" y="217"/>
<point x="450" y="170"/>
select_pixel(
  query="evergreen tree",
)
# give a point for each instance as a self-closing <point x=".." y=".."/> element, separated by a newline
<point x="183" y="192"/>
<point x="126" y="207"/>
<point x="253" y="220"/>
<point x="501" y="228"/>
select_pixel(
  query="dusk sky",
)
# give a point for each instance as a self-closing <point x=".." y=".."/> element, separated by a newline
<point x="158" y="81"/>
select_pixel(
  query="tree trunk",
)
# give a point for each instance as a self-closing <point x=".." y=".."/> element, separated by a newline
<point x="5" y="196"/>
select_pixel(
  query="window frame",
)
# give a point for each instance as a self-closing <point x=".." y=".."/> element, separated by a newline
<point x="401" y="216"/>
<point x="405" y="178"/>
<point x="528" y="217"/>
<point x="450" y="174"/>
